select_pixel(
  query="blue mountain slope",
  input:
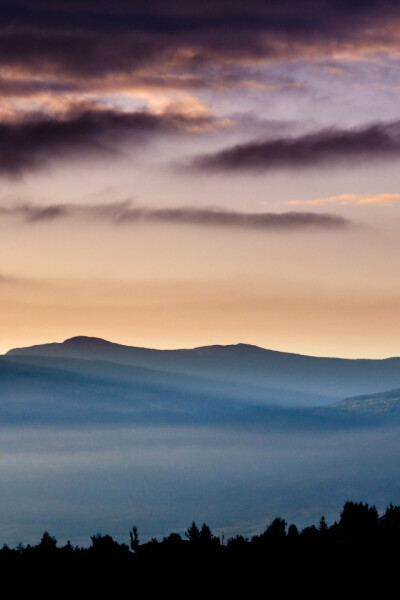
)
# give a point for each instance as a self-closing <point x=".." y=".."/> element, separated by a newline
<point x="232" y="390"/>
<point x="113" y="394"/>
<point x="35" y="392"/>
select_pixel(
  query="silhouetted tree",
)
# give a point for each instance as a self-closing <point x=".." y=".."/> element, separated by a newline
<point x="173" y="538"/>
<point x="310" y="535"/>
<point x="237" y="542"/>
<point x="20" y="548"/>
<point x="276" y="531"/>
<point x="193" y="533"/>
<point x="68" y="548"/>
<point x="48" y="543"/>
<point x="105" y="545"/>
<point x="323" y="527"/>
<point x="293" y="533"/>
<point x="358" y="520"/>
<point x="391" y="518"/>
<point x="206" y="535"/>
<point x="207" y="538"/>
<point x="134" y="537"/>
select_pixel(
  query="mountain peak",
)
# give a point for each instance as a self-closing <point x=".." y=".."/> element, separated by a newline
<point x="83" y="340"/>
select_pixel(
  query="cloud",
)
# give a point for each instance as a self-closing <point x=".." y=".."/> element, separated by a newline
<point x="39" y="139"/>
<point x="125" y="213"/>
<point x="160" y="39"/>
<point x="101" y="50"/>
<point x="34" y="213"/>
<point x="352" y="199"/>
<point x="329" y="146"/>
<point x="9" y="279"/>
<point x="25" y="87"/>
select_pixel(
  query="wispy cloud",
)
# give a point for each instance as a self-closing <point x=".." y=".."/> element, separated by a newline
<point x="125" y="213"/>
<point x="352" y="199"/>
<point x="330" y="146"/>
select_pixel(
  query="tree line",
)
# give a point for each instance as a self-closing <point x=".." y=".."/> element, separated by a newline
<point x="357" y="544"/>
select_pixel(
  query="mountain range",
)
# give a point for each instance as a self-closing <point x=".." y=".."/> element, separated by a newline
<point x="90" y="379"/>
<point x="323" y="378"/>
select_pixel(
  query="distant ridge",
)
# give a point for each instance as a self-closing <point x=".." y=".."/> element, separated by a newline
<point x="82" y="344"/>
<point x="83" y="341"/>
<point x="380" y="402"/>
<point x="329" y="378"/>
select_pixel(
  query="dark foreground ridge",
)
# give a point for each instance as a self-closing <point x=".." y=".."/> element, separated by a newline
<point x="359" y="551"/>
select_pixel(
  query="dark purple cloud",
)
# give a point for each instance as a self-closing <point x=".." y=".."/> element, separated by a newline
<point x="174" y="16"/>
<point x="83" y="38"/>
<point x="39" y="139"/>
<point x="374" y="141"/>
<point x="125" y="213"/>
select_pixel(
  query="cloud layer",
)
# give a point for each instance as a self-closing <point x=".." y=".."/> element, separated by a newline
<point x="125" y="213"/>
<point x="79" y="40"/>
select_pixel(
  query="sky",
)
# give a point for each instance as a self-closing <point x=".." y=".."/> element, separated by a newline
<point x="176" y="174"/>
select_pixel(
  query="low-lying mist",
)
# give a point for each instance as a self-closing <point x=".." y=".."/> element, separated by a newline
<point x="76" y="481"/>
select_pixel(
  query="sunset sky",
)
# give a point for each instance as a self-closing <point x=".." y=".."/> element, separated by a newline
<point x="180" y="173"/>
